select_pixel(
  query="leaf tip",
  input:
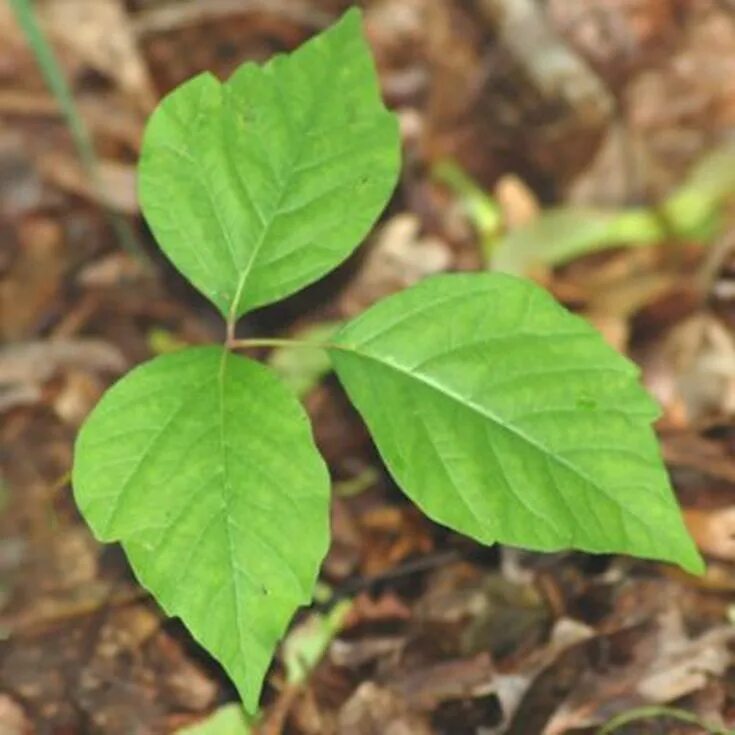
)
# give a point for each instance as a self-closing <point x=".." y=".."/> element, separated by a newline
<point x="691" y="561"/>
<point x="250" y="697"/>
<point x="682" y="550"/>
<point x="352" y="15"/>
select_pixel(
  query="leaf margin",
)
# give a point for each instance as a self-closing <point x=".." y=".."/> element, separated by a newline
<point x="115" y="529"/>
<point x="344" y="348"/>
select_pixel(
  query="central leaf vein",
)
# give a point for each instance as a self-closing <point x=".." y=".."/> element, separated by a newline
<point x="487" y="413"/>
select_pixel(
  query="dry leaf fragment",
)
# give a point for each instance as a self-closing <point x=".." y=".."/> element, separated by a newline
<point x="400" y="257"/>
<point x="25" y="367"/>
<point x="98" y="34"/>
<point x="113" y="184"/>
<point x="660" y="668"/>
<point x="713" y="530"/>
<point x="13" y="720"/>
<point x="373" y="710"/>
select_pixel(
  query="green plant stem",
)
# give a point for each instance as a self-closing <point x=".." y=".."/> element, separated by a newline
<point x="483" y="210"/>
<point x="655" y="712"/>
<point x="56" y="82"/>
<point x="244" y="344"/>
<point x="54" y="79"/>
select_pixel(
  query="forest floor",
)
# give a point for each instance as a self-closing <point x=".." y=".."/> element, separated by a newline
<point x="438" y="634"/>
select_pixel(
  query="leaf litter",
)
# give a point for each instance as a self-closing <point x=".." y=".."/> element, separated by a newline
<point x="441" y="636"/>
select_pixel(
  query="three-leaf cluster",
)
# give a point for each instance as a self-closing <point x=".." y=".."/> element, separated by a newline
<point x="499" y="413"/>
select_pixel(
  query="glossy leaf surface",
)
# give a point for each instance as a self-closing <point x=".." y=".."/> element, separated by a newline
<point x="202" y="465"/>
<point x="507" y="418"/>
<point x="227" y="720"/>
<point x="259" y="186"/>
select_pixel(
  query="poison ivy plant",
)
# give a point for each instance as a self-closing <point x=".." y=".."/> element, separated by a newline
<point x="202" y="464"/>
<point x="502" y="415"/>
<point x="256" y="187"/>
<point x="694" y="211"/>
<point x="511" y="420"/>
<point x="227" y="720"/>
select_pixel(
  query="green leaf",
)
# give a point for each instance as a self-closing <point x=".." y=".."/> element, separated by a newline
<point x="692" y="209"/>
<point x="507" y="418"/>
<point x="227" y="720"/>
<point x="259" y="186"/>
<point x="203" y="465"/>
<point x="481" y="209"/>
<point x="562" y="234"/>
<point x="307" y="643"/>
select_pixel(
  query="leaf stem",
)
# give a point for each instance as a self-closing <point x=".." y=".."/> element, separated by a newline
<point x="27" y="19"/>
<point x="230" y="340"/>
<point x="654" y="712"/>
<point x="244" y="344"/>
